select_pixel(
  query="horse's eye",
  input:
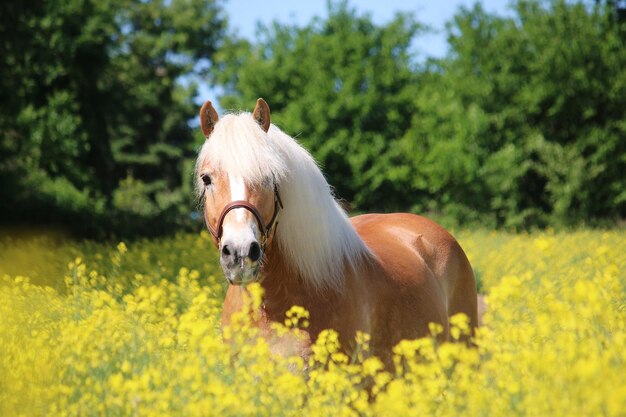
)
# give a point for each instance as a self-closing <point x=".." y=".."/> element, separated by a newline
<point x="206" y="179"/>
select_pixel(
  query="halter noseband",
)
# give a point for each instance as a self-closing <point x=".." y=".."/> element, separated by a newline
<point x="265" y="229"/>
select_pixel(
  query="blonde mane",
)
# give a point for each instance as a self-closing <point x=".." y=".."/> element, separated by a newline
<point x="315" y="235"/>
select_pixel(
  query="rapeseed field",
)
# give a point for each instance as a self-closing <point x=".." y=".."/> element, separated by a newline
<point x="88" y="329"/>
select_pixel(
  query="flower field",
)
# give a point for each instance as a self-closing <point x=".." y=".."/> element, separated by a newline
<point x="133" y="330"/>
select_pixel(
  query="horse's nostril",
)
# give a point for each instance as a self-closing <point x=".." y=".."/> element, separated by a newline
<point x="255" y="252"/>
<point x="225" y="250"/>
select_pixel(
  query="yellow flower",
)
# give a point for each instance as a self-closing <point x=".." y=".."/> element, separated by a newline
<point x="121" y="248"/>
<point x="143" y="338"/>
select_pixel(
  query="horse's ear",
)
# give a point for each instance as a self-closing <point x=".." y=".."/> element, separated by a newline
<point x="208" y="118"/>
<point x="262" y="114"/>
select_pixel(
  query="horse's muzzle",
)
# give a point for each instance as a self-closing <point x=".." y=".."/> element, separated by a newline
<point x="240" y="262"/>
<point x="241" y="275"/>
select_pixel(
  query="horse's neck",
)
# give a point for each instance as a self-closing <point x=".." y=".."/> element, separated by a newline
<point x="280" y="285"/>
<point x="284" y="287"/>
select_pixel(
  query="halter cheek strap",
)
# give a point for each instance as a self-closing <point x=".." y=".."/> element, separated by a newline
<point x="265" y="229"/>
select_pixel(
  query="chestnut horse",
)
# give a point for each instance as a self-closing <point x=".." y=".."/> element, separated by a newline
<point x="388" y="275"/>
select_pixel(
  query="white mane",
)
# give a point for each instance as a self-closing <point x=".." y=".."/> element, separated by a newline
<point x="315" y="236"/>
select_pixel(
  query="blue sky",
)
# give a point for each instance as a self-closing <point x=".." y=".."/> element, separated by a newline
<point x="243" y="15"/>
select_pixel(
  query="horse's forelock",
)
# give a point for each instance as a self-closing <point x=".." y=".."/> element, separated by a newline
<point x="239" y="146"/>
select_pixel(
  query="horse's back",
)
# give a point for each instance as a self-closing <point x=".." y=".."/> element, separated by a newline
<point x="419" y="258"/>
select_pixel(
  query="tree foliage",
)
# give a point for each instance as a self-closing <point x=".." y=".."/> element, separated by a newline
<point x="345" y="87"/>
<point x="522" y="124"/>
<point x="544" y="102"/>
<point x="95" y="98"/>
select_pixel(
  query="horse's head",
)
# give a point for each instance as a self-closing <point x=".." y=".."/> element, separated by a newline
<point x="239" y="192"/>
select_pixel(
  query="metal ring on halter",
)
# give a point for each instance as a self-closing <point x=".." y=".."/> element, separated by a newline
<point x="265" y="229"/>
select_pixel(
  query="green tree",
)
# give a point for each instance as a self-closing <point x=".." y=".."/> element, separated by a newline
<point x="95" y="99"/>
<point x="523" y="123"/>
<point x="345" y="87"/>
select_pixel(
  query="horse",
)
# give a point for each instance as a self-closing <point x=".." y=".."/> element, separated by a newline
<point x="386" y="275"/>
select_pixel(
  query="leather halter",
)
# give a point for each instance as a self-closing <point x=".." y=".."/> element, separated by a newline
<point x="265" y="229"/>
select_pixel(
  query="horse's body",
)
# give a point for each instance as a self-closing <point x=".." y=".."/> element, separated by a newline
<point x="389" y="297"/>
<point x="388" y="275"/>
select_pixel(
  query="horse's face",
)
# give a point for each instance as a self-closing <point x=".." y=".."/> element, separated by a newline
<point x="241" y="240"/>
<point x="237" y="213"/>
